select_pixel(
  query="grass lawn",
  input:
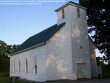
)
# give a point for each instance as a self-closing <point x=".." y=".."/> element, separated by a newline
<point x="4" y="79"/>
<point x="7" y="80"/>
<point x="106" y="76"/>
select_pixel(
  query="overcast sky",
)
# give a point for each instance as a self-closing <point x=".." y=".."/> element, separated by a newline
<point x="19" y="22"/>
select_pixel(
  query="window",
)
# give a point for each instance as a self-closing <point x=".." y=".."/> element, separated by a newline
<point x="19" y="66"/>
<point x="13" y="67"/>
<point x="26" y="67"/>
<point x="63" y="16"/>
<point x="78" y="12"/>
<point x="35" y="69"/>
<point x="35" y="65"/>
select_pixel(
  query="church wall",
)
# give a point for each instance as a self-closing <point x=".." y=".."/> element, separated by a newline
<point x="94" y="71"/>
<point x="59" y="52"/>
<point x="55" y="63"/>
<point x="80" y="43"/>
<point x="40" y="53"/>
<point x="76" y="42"/>
<point x="58" y="62"/>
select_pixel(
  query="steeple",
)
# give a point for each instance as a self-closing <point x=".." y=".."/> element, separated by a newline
<point x="70" y="3"/>
<point x="67" y="11"/>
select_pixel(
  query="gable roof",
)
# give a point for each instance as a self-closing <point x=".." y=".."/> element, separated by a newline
<point x="39" y="38"/>
<point x="70" y="3"/>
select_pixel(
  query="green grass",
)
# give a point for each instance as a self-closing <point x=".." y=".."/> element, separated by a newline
<point x="4" y="74"/>
<point x="7" y="80"/>
<point x="4" y="79"/>
<point x="104" y="76"/>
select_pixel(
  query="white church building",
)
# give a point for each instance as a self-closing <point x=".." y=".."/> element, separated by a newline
<point x="62" y="51"/>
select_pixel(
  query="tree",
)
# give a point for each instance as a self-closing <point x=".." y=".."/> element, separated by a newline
<point x="3" y="47"/>
<point x="98" y="12"/>
<point x="5" y="50"/>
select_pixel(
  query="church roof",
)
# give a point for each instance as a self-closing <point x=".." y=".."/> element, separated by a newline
<point x="38" y="39"/>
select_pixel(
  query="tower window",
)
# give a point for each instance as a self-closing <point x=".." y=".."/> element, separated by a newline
<point x="63" y="16"/>
<point x="78" y="12"/>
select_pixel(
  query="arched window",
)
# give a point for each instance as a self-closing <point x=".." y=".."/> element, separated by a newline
<point x="26" y="67"/>
<point x="19" y="66"/>
<point x="13" y="67"/>
<point x="35" y="65"/>
<point x="78" y="12"/>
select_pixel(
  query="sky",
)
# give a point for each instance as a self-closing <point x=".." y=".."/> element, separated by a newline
<point x="19" y="22"/>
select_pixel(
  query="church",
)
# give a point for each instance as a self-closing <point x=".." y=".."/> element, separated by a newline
<point x="62" y="51"/>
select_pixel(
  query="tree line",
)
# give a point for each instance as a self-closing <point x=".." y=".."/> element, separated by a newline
<point x="5" y="50"/>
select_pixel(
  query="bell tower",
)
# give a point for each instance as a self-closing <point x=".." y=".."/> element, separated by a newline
<point x="76" y="37"/>
<point x="69" y="12"/>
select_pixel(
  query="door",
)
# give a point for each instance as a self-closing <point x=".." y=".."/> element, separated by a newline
<point x="81" y="70"/>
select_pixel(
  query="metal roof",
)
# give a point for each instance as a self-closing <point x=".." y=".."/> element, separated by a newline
<point x="39" y="38"/>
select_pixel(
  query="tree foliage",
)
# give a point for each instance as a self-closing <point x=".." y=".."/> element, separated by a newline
<point x="98" y="12"/>
<point x="5" y="50"/>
